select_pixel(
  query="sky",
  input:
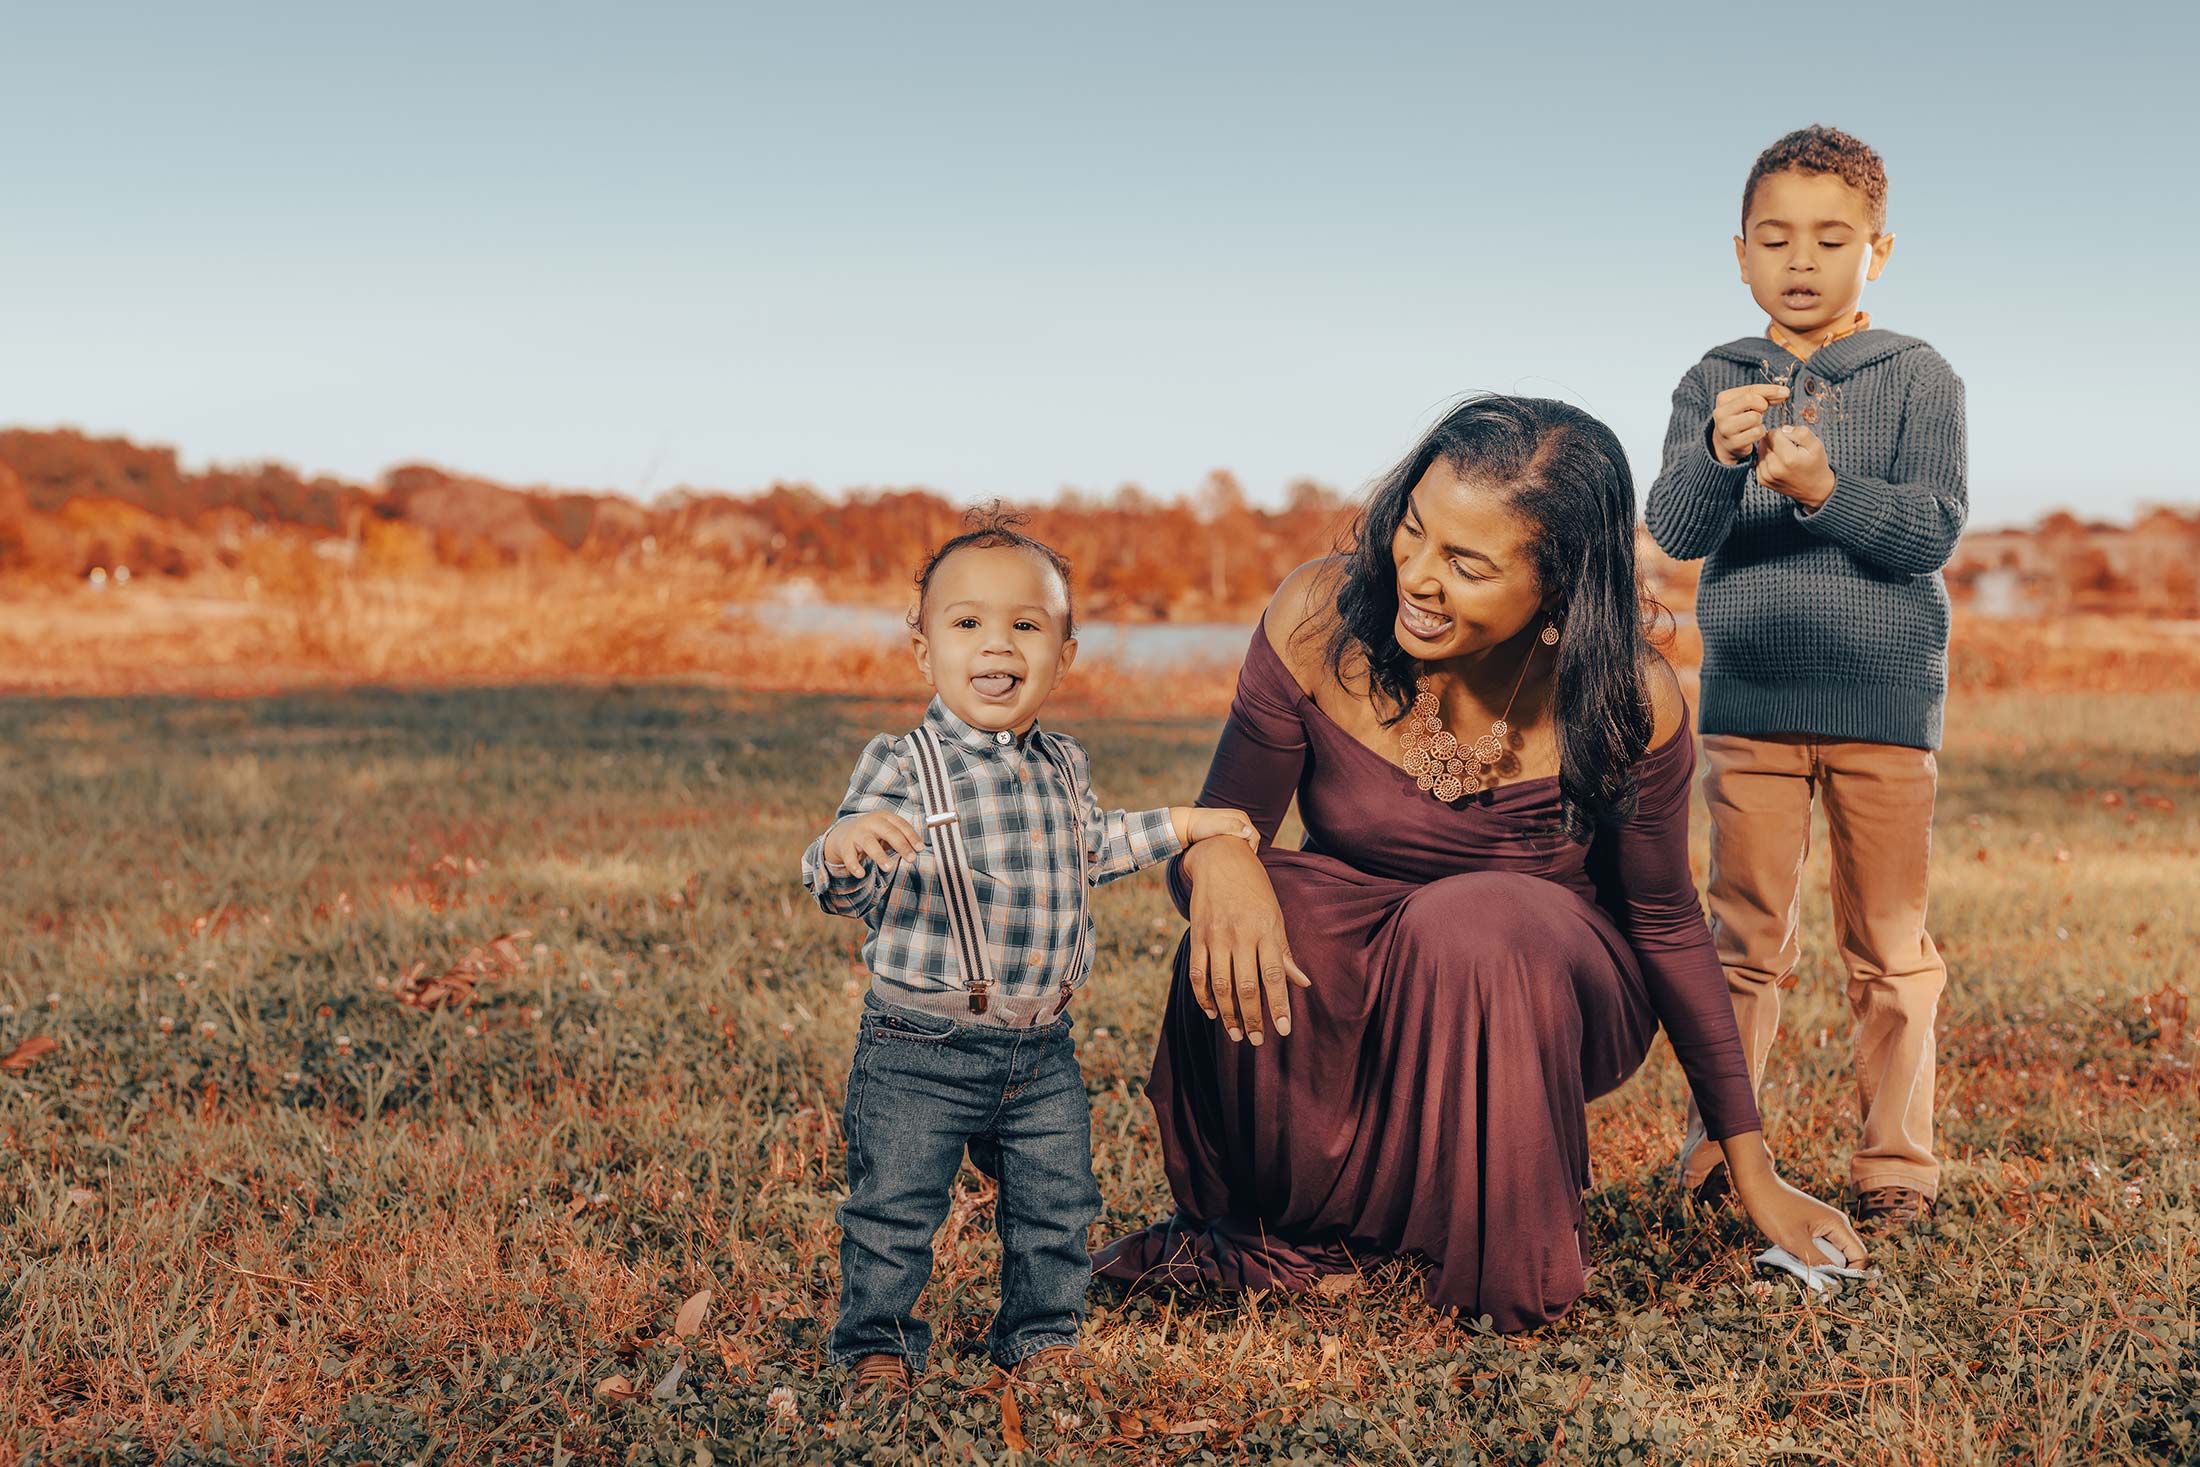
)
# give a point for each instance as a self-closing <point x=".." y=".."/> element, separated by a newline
<point x="1006" y="250"/>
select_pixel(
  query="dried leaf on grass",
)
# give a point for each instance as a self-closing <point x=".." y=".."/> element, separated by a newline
<point x="499" y="957"/>
<point x="669" y="1387"/>
<point x="2162" y="1016"/>
<point x="1339" y="1285"/>
<point x="1012" y="1422"/>
<point x="615" y="1388"/>
<point x="29" y="1053"/>
<point x="690" y="1317"/>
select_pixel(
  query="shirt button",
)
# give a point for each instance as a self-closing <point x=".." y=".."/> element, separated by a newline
<point x="1003" y="736"/>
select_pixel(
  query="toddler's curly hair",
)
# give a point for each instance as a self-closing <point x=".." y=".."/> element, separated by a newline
<point x="991" y="526"/>
<point x="1820" y="149"/>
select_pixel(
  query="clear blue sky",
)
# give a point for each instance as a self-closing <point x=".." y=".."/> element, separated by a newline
<point x="1010" y="249"/>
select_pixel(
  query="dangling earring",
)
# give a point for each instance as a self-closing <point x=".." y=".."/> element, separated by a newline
<point x="1549" y="636"/>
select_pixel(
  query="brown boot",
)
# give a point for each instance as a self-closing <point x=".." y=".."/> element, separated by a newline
<point x="1893" y="1206"/>
<point x="875" y="1377"/>
<point x="1055" y="1362"/>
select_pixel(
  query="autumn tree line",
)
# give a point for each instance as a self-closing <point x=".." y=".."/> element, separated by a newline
<point x="78" y="508"/>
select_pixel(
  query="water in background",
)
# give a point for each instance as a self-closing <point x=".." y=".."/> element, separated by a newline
<point x="1131" y="644"/>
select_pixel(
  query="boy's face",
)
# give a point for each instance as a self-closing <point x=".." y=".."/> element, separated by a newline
<point x="992" y="644"/>
<point x="1807" y="250"/>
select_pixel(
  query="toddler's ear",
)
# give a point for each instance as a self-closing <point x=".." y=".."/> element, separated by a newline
<point x="1741" y="257"/>
<point x="922" y="650"/>
<point x="1881" y="248"/>
<point x="1069" y="655"/>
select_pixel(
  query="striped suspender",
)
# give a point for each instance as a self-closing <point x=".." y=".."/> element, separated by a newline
<point x="943" y="831"/>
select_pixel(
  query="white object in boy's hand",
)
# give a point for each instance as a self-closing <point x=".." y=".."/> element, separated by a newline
<point x="1817" y="1277"/>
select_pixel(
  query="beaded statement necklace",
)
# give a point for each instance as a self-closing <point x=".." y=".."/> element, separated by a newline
<point x="1433" y="755"/>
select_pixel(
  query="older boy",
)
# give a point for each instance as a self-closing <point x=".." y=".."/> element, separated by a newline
<point x="1820" y="468"/>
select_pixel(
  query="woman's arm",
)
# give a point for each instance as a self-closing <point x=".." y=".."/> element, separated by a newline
<point x="1238" y="949"/>
<point x="1644" y="877"/>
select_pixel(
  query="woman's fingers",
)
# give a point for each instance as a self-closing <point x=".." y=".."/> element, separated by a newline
<point x="1245" y="984"/>
<point x="1203" y="992"/>
<point x="1276" y="988"/>
<point x="1843" y="1236"/>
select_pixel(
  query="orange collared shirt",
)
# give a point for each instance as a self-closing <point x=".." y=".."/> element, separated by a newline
<point x="1800" y="347"/>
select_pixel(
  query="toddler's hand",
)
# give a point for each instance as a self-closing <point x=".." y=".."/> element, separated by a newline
<point x="1738" y="420"/>
<point x="1203" y="823"/>
<point x="1792" y="461"/>
<point x="880" y="835"/>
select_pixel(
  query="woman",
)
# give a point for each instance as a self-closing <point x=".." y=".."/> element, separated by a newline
<point x="1491" y="914"/>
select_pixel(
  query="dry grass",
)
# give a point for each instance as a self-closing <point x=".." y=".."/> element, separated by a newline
<point x="289" y="619"/>
<point x="257" y="1208"/>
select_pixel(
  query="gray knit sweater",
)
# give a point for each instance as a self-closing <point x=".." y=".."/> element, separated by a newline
<point x="1835" y="622"/>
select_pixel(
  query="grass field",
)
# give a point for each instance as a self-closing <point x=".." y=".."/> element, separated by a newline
<point x="256" y="1208"/>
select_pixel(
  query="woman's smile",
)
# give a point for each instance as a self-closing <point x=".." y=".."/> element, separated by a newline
<point x="1426" y="626"/>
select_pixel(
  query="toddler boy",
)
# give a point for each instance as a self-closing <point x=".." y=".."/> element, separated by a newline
<point x="967" y="847"/>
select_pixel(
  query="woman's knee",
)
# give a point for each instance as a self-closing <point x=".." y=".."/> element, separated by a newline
<point x="1480" y="911"/>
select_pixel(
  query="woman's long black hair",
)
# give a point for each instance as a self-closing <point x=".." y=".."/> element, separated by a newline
<point x="1564" y="473"/>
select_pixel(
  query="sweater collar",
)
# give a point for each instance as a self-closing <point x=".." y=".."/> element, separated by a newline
<point x="1834" y="361"/>
<point x="953" y="730"/>
<point x="1789" y="341"/>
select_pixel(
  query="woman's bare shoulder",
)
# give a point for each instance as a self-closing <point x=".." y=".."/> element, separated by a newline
<point x="1668" y="704"/>
<point x="1299" y="618"/>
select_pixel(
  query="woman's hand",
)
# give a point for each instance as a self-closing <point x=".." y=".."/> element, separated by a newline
<point x="1238" y="949"/>
<point x="1788" y="1216"/>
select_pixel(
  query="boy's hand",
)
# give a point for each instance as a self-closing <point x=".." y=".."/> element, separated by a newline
<point x="1199" y="824"/>
<point x="880" y="835"/>
<point x="1792" y="461"/>
<point x="1738" y="420"/>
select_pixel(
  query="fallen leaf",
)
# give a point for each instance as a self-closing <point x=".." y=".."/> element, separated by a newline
<point x="29" y="1053"/>
<point x="1012" y="1422"/>
<point x="615" y="1388"/>
<point x="1338" y="1285"/>
<point x="690" y="1317"/>
<point x="83" y="1196"/>
<point x="667" y="1388"/>
<point x="1193" y="1428"/>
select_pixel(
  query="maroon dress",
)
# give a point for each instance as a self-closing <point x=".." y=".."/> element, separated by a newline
<point x="1478" y="978"/>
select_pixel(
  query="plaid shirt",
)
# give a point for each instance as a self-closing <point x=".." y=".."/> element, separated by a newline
<point x="1035" y="838"/>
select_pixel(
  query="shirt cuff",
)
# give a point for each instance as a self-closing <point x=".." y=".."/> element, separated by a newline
<point x="1152" y="836"/>
<point x="821" y="880"/>
<point x="1848" y="516"/>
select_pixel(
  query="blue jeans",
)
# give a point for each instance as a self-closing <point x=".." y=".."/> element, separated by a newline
<point x="921" y="1090"/>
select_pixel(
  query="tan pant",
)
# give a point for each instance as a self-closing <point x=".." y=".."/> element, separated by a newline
<point x="1879" y="815"/>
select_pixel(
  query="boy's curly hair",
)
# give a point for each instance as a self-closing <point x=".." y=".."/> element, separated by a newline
<point x="1819" y="149"/>
<point x="991" y="527"/>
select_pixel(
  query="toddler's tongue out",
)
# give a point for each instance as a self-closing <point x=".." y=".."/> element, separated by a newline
<point x="994" y="684"/>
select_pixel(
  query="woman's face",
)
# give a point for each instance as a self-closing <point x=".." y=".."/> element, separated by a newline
<point x="1466" y="569"/>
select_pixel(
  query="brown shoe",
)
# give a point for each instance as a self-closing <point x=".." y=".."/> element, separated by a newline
<point x="1055" y="1362"/>
<point x="1893" y="1205"/>
<point x="874" y="1376"/>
